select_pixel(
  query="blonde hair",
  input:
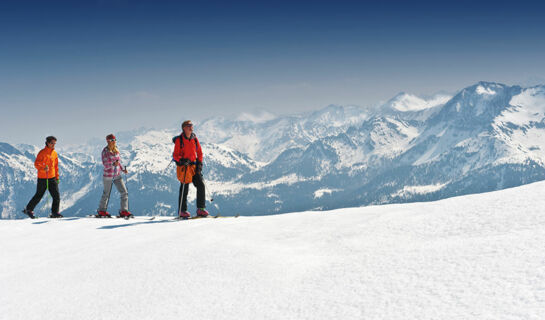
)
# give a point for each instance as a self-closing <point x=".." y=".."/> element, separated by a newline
<point x="113" y="150"/>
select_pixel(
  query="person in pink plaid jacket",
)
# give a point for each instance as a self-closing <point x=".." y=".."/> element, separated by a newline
<point x="111" y="160"/>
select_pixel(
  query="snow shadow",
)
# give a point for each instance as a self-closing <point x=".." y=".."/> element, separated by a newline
<point x="61" y="219"/>
<point x="135" y="224"/>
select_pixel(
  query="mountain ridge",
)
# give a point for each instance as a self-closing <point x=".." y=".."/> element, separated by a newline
<point x="488" y="136"/>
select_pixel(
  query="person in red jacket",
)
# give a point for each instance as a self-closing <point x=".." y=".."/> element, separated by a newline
<point x="47" y="164"/>
<point x="188" y="157"/>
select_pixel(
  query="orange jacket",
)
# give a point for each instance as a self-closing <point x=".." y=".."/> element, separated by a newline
<point x="47" y="157"/>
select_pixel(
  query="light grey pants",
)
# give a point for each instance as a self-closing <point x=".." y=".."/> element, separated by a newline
<point x="120" y="185"/>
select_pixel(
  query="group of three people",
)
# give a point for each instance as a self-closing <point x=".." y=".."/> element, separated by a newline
<point x="187" y="155"/>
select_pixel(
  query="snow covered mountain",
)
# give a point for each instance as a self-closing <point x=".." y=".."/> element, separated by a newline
<point x="263" y="138"/>
<point x="471" y="257"/>
<point x="488" y="136"/>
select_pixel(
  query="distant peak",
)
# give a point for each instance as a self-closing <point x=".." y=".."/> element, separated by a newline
<point x="486" y="87"/>
<point x="489" y="84"/>
<point x="405" y="102"/>
<point x="256" y="117"/>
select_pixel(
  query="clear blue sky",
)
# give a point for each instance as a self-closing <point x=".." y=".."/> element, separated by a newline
<point x="82" y="69"/>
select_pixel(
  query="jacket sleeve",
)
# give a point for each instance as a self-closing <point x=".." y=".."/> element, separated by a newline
<point x="39" y="163"/>
<point x="199" y="150"/>
<point x="177" y="154"/>
<point x="106" y="160"/>
<point x="57" y="167"/>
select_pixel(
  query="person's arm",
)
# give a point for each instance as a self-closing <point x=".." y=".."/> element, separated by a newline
<point x="199" y="156"/>
<point x="199" y="150"/>
<point x="57" y="167"/>
<point x="177" y="154"/>
<point x="39" y="163"/>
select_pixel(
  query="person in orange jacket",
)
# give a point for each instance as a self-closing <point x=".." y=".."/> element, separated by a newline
<point x="47" y="163"/>
<point x="188" y="157"/>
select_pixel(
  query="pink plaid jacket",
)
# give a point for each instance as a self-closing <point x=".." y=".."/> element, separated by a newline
<point x="108" y="160"/>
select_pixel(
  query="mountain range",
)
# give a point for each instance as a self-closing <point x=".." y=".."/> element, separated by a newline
<point x="486" y="137"/>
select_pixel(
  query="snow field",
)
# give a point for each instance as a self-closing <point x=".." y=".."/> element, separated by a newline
<point x="473" y="257"/>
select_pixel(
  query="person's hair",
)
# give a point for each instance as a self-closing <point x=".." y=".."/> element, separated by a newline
<point x="185" y="123"/>
<point x="49" y="139"/>
<point x="114" y="149"/>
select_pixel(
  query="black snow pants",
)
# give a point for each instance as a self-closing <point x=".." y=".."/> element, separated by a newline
<point x="43" y="185"/>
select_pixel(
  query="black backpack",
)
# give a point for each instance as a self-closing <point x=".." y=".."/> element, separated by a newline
<point x="193" y="137"/>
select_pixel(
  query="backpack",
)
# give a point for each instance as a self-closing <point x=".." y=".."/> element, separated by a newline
<point x="193" y="137"/>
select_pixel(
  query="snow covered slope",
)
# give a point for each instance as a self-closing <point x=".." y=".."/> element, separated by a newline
<point x="472" y="257"/>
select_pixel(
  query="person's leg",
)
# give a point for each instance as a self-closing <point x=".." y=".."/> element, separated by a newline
<point x="40" y="190"/>
<point x="201" y="192"/>
<point x="54" y="192"/>
<point x="103" y="204"/>
<point x="183" y="188"/>
<point x="120" y="185"/>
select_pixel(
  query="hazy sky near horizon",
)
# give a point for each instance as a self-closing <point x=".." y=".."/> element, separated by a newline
<point x="82" y="69"/>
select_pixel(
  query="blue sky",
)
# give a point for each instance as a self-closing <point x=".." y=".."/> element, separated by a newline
<point x="82" y="69"/>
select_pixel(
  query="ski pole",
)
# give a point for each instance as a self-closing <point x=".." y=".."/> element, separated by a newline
<point x="182" y="193"/>
<point x="125" y="183"/>
<point x="211" y="198"/>
<point x="110" y="192"/>
<point x="46" y="189"/>
<point x="205" y="187"/>
<point x="207" y="192"/>
<point x="171" y="161"/>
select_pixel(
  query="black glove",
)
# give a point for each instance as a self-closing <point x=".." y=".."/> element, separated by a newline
<point x="182" y="162"/>
<point x="199" y="167"/>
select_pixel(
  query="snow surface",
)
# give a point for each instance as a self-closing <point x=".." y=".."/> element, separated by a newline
<point x="484" y="91"/>
<point x="321" y="192"/>
<point x="472" y="257"/>
<point x="530" y="105"/>
<point x="408" y="190"/>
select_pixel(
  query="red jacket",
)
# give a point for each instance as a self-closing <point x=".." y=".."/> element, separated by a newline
<point x="187" y="148"/>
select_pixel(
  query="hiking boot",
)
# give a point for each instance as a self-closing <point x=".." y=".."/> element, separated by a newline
<point x="56" y="215"/>
<point x="103" y="214"/>
<point x="185" y="215"/>
<point x="201" y="212"/>
<point x="29" y="213"/>
<point x="125" y="214"/>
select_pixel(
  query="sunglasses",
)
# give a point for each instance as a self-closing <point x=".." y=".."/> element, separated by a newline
<point x="111" y="140"/>
<point x="189" y="125"/>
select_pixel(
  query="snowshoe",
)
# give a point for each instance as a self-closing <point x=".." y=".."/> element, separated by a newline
<point x="103" y="214"/>
<point x="56" y="215"/>
<point x="29" y="213"/>
<point x="125" y="214"/>
<point x="184" y="215"/>
<point x="202" y="213"/>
